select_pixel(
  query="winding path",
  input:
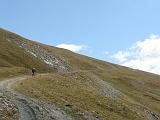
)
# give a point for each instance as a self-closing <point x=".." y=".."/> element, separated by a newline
<point x="31" y="109"/>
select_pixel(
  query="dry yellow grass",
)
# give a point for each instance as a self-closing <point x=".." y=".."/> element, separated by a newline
<point x="79" y="89"/>
<point x="13" y="56"/>
<point x="79" y="92"/>
<point x="6" y="72"/>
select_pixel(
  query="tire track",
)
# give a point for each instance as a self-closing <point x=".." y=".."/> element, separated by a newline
<point x="25" y="110"/>
<point x="29" y="108"/>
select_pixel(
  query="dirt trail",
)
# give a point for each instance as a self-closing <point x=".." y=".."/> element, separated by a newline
<point x="30" y="109"/>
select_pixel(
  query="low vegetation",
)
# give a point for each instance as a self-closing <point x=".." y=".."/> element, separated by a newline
<point x="76" y="92"/>
<point x="6" y="72"/>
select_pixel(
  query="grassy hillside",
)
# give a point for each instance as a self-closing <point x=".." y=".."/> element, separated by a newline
<point x="79" y="93"/>
<point x="92" y="87"/>
<point x="13" y="56"/>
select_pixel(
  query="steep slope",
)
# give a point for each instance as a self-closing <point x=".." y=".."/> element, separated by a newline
<point x="19" y="51"/>
<point x="84" y="87"/>
<point x="16" y="51"/>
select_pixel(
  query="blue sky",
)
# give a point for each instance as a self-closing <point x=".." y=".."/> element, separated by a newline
<point x="99" y="25"/>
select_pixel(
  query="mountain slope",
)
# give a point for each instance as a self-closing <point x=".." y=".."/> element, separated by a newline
<point x="12" y="55"/>
<point x="83" y="87"/>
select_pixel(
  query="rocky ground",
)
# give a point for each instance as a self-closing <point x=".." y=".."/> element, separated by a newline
<point x="14" y="105"/>
<point x="8" y="111"/>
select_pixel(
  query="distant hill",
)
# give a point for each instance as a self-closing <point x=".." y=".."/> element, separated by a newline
<point x="80" y="85"/>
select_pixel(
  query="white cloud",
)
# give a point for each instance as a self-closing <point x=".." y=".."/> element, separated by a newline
<point x="121" y="56"/>
<point x="72" y="47"/>
<point x="143" y="55"/>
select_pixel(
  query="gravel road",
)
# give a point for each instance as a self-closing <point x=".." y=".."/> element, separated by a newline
<point x="26" y="108"/>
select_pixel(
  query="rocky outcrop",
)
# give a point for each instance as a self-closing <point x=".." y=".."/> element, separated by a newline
<point x="40" y="53"/>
